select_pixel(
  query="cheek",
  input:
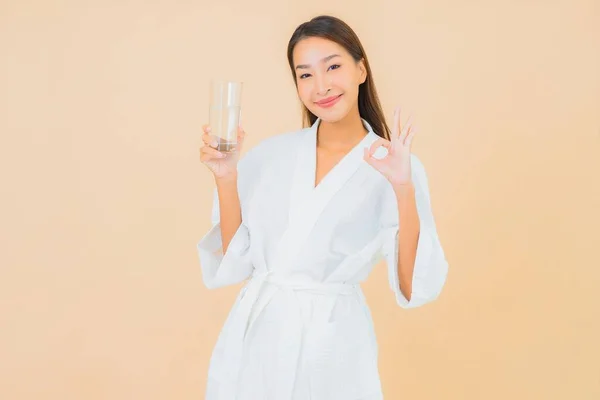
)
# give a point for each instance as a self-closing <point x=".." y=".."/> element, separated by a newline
<point x="351" y="87"/>
<point x="350" y="82"/>
<point x="342" y="81"/>
<point x="304" y="92"/>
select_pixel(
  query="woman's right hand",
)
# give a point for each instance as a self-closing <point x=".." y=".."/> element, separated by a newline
<point x="223" y="165"/>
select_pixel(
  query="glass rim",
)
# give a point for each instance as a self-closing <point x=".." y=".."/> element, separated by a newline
<point x="226" y="81"/>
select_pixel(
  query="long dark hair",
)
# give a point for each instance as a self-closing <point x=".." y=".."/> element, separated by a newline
<point x="336" y="30"/>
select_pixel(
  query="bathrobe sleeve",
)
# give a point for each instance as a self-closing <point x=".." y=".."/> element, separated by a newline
<point x="431" y="267"/>
<point x="234" y="266"/>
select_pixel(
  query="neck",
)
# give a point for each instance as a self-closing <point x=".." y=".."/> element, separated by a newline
<point x="341" y="134"/>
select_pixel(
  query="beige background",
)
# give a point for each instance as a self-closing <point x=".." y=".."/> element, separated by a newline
<point x="103" y="197"/>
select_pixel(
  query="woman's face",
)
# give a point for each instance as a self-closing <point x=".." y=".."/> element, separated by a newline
<point x="327" y="78"/>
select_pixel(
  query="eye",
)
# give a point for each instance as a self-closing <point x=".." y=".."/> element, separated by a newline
<point x="334" y="66"/>
<point x="303" y="76"/>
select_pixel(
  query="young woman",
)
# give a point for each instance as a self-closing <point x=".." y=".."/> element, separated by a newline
<point x="303" y="218"/>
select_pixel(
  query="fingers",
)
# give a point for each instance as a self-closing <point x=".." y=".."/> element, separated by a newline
<point x="404" y="132"/>
<point x="208" y="154"/>
<point x="213" y="141"/>
<point x="396" y="126"/>
<point x="378" y="143"/>
<point x="376" y="163"/>
<point x="208" y="139"/>
<point x="411" y="135"/>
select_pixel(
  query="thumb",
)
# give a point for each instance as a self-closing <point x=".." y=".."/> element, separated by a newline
<point x="374" y="162"/>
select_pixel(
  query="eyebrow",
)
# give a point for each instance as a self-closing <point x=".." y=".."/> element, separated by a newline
<point x="324" y="60"/>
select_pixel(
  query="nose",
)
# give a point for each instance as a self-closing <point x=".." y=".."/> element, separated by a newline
<point x="323" y="85"/>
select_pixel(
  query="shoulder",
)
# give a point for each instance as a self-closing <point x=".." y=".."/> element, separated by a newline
<point x="275" y="142"/>
<point x="274" y="146"/>
<point x="259" y="159"/>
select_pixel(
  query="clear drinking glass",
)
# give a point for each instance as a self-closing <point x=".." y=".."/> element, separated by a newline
<point x="225" y="108"/>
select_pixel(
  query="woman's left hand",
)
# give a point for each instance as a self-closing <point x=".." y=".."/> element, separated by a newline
<point x="395" y="166"/>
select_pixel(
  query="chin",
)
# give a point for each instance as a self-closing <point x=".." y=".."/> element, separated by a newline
<point x="329" y="115"/>
<point x="330" y="119"/>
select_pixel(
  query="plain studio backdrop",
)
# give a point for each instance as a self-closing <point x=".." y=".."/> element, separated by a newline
<point x="103" y="197"/>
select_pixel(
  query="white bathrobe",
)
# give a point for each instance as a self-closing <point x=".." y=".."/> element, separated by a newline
<point x="300" y="327"/>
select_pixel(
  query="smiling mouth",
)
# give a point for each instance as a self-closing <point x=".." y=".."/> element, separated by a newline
<point x="329" y="101"/>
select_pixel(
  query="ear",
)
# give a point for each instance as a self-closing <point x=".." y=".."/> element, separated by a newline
<point x="363" y="70"/>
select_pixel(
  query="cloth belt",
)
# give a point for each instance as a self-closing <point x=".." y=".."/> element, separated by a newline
<point x="292" y="324"/>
